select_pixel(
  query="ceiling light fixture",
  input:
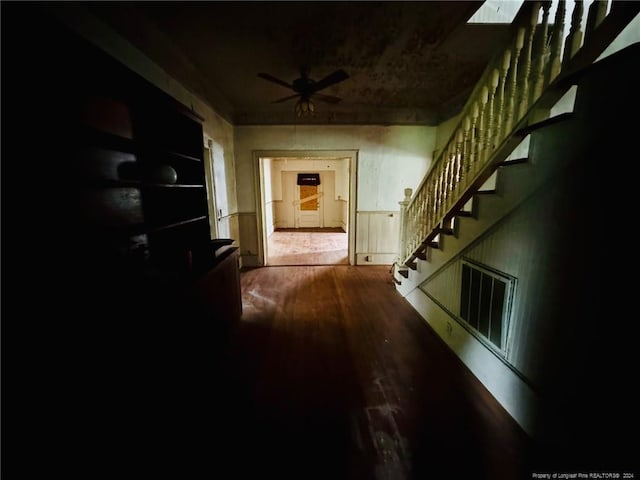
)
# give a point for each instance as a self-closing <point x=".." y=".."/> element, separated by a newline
<point x="305" y="107"/>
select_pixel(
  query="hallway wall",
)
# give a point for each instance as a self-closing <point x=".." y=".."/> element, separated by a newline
<point x="390" y="159"/>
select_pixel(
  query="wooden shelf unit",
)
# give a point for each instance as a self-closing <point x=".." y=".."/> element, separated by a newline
<point x="120" y="297"/>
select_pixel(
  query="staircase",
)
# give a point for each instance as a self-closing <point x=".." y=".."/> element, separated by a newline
<point x="512" y="99"/>
<point x="489" y="166"/>
<point x="512" y="182"/>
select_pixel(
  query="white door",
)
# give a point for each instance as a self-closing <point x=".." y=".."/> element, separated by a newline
<point x="308" y="206"/>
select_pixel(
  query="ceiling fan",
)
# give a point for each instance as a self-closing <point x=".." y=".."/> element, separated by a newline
<point x="305" y="88"/>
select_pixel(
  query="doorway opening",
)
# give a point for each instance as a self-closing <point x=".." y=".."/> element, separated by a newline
<point x="306" y="207"/>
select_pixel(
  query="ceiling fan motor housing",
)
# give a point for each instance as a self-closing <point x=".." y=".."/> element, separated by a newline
<point x="303" y="85"/>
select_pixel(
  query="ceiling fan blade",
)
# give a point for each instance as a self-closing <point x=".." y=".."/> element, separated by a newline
<point x="331" y="79"/>
<point x="326" y="98"/>
<point x="273" y="79"/>
<point x="284" y="99"/>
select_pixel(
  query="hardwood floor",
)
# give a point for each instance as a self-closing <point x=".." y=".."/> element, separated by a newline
<point x="308" y="246"/>
<point x="332" y="375"/>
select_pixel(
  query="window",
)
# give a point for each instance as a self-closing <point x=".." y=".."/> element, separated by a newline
<point x="309" y="179"/>
<point x="485" y="302"/>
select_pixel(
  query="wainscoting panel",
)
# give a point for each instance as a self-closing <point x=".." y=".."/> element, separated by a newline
<point x="377" y="237"/>
<point x="249" y="250"/>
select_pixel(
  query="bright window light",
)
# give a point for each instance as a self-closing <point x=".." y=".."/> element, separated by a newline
<point x="496" y="11"/>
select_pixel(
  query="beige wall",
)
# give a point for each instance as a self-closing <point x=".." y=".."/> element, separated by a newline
<point x="443" y="133"/>
<point x="390" y="158"/>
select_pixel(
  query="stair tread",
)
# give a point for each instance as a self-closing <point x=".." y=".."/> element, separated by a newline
<point x="514" y="161"/>
<point x="544" y="123"/>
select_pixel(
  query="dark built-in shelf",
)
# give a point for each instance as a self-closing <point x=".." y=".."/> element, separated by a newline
<point x="93" y="137"/>
<point x="183" y="156"/>
<point x="125" y="137"/>
<point x="169" y="226"/>
<point x="124" y="297"/>
<point x="141" y="184"/>
<point x="90" y="136"/>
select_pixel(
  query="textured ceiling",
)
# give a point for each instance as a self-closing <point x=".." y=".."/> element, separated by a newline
<point x="408" y="62"/>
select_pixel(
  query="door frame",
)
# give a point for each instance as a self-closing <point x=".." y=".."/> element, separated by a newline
<point x="214" y="217"/>
<point x="259" y="179"/>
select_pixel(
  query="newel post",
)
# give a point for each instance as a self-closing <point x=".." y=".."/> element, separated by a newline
<point x="403" y="227"/>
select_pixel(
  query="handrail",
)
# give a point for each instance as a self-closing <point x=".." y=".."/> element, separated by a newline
<point x="520" y="79"/>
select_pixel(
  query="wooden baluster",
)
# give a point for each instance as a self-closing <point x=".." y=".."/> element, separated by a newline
<point x="407" y="233"/>
<point x="474" y="142"/>
<point x="490" y="125"/>
<point x="445" y="187"/>
<point x="542" y="52"/>
<point x="527" y="60"/>
<point x="445" y="172"/>
<point x="437" y="190"/>
<point x="448" y="177"/>
<point x="434" y="205"/>
<point x="412" y="230"/>
<point x="419" y="215"/>
<point x="434" y="182"/>
<point x="556" y="43"/>
<point x="500" y="130"/>
<point x="574" y="39"/>
<point x="425" y="215"/>
<point x="512" y="88"/>
<point x="402" y="251"/>
<point x="423" y="222"/>
<point x="408" y="230"/>
<point x="482" y="127"/>
<point x="452" y="172"/>
<point x="597" y="12"/>
<point x="441" y="188"/>
<point x="429" y="202"/>
<point x="418" y="231"/>
<point x="416" y="218"/>
<point x="459" y="153"/>
<point x="466" y="149"/>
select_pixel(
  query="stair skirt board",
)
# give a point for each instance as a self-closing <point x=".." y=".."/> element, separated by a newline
<point x="509" y="389"/>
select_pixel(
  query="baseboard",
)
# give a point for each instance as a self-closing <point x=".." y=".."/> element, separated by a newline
<point x="375" y="258"/>
<point x="249" y="261"/>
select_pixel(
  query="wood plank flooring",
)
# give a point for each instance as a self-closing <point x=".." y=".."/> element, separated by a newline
<point x="308" y="246"/>
<point x="331" y="374"/>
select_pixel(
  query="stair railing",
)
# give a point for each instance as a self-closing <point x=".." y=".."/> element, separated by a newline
<point x="523" y="78"/>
